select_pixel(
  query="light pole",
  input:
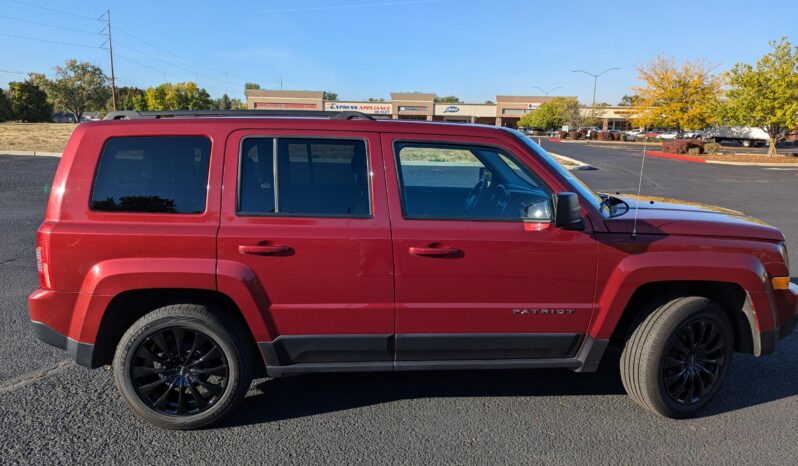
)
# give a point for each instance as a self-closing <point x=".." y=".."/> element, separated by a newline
<point x="545" y="91"/>
<point x="595" y="78"/>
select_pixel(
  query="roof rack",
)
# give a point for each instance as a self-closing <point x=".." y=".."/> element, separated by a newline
<point x="142" y="115"/>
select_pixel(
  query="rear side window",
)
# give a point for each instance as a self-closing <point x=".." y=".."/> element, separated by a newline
<point x="304" y="177"/>
<point x="160" y="174"/>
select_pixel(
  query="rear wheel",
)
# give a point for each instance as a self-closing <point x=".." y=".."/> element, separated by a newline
<point x="180" y="367"/>
<point x="676" y="360"/>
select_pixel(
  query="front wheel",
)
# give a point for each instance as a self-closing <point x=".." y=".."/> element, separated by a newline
<point x="180" y="367"/>
<point x="676" y="360"/>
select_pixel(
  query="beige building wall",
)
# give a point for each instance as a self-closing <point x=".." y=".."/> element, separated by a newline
<point x="284" y="100"/>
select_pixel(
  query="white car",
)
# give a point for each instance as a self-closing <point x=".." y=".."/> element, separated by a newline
<point x="669" y="136"/>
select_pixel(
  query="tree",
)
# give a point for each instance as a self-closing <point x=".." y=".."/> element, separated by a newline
<point x="448" y="99"/>
<point x="681" y="96"/>
<point x="253" y="86"/>
<point x="224" y="102"/>
<point x="131" y="98"/>
<point x="178" y="96"/>
<point x="553" y="114"/>
<point x="29" y="103"/>
<point x="77" y="87"/>
<point x="331" y="96"/>
<point x="236" y="104"/>
<point x="5" y="107"/>
<point x="490" y="102"/>
<point x="629" y="100"/>
<point x="765" y="96"/>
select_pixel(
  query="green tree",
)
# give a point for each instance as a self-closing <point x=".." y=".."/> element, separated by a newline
<point x="448" y="99"/>
<point x="178" y="96"/>
<point x="77" y="87"/>
<point x="131" y="98"/>
<point x="553" y="114"/>
<point x="331" y="96"/>
<point x="5" y="107"/>
<point x="766" y="95"/>
<point x="253" y="86"/>
<point x="629" y="100"/>
<point x="29" y="103"/>
<point x="236" y="104"/>
<point x="674" y="95"/>
<point x="224" y="102"/>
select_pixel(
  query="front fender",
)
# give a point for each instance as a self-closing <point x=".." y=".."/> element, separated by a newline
<point x="634" y="271"/>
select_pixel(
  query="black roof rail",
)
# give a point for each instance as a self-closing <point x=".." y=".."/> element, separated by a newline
<point x="153" y="115"/>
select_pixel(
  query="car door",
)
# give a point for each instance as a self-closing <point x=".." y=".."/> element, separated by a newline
<point x="303" y="212"/>
<point x="481" y="270"/>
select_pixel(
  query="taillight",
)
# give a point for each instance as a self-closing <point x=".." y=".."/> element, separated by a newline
<point x="43" y="267"/>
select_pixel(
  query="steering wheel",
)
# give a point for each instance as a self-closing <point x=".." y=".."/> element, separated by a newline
<point x="474" y="196"/>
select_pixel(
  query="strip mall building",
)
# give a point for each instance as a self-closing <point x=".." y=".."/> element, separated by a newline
<point x="507" y="110"/>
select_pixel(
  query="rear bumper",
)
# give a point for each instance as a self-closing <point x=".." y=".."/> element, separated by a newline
<point x="82" y="353"/>
<point x="50" y="315"/>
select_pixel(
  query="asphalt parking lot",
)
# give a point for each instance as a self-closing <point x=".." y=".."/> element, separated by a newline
<point x="55" y="412"/>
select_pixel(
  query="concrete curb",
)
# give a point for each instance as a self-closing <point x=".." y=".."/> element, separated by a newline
<point x="577" y="164"/>
<point x="30" y="153"/>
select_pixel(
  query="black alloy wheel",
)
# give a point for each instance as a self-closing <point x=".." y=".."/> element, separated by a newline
<point x="179" y="371"/>
<point x="694" y="361"/>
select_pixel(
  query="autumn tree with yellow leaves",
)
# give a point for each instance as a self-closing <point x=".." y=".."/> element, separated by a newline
<point x="677" y="95"/>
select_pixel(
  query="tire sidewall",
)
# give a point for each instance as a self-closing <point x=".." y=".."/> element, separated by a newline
<point x="687" y="313"/>
<point x="138" y="333"/>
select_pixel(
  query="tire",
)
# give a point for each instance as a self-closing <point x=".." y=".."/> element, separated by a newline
<point x="649" y="369"/>
<point x="187" y="388"/>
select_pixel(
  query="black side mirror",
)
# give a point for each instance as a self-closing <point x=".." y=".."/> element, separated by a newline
<point x="568" y="213"/>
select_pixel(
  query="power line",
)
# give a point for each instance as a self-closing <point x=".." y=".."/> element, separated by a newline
<point x="53" y="10"/>
<point x="167" y="62"/>
<point x="83" y="31"/>
<point x="165" y="73"/>
<point x="72" y="44"/>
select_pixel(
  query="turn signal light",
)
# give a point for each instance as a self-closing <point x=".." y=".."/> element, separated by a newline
<point x="781" y="283"/>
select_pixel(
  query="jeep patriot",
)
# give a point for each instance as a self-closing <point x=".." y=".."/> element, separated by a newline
<point x="193" y="251"/>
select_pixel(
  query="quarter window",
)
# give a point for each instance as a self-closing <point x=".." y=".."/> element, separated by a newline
<point x="162" y="174"/>
<point x="314" y="177"/>
<point x="443" y="181"/>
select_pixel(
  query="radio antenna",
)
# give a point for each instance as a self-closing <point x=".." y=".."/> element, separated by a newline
<point x="639" y="186"/>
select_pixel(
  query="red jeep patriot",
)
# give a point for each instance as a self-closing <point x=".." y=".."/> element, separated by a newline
<point x="197" y="251"/>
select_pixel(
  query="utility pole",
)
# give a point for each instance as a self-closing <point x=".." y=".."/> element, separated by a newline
<point x="111" y="51"/>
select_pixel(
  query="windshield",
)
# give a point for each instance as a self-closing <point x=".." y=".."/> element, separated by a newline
<point x="581" y="188"/>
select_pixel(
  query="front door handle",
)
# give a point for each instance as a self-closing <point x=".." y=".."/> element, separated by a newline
<point x="265" y="250"/>
<point x="433" y="251"/>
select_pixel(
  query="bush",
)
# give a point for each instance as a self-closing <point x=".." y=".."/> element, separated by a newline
<point x="576" y="134"/>
<point x="604" y="136"/>
<point x="683" y="146"/>
<point x="711" y="147"/>
<point x="562" y="134"/>
<point x="623" y="137"/>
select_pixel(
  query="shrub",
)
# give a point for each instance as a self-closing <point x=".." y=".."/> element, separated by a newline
<point x="623" y="137"/>
<point x="575" y="134"/>
<point x="562" y="134"/>
<point x="711" y="147"/>
<point x="683" y="146"/>
<point x="604" y="136"/>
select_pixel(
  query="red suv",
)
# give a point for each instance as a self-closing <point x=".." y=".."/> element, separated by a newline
<point x="195" y="252"/>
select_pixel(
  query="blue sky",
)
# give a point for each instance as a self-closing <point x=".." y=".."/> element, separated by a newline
<point x="368" y="48"/>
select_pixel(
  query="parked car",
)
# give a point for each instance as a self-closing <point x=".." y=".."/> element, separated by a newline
<point x="196" y="252"/>
<point x="669" y="135"/>
<point x="590" y="131"/>
<point x="693" y="134"/>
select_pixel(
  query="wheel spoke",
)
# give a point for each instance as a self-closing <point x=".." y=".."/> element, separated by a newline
<point x="147" y="354"/>
<point x="162" y="399"/>
<point x="160" y="341"/>
<point x="179" y="333"/>
<point x="218" y="370"/>
<point x="181" y="400"/>
<point x="205" y="357"/>
<point x="150" y="387"/>
<point x="199" y="340"/>
<point x="669" y="380"/>
<point x="143" y="371"/>
<point x="199" y="400"/>
<point x="214" y="389"/>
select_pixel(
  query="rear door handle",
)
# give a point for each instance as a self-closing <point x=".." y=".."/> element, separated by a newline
<point x="433" y="251"/>
<point x="264" y="250"/>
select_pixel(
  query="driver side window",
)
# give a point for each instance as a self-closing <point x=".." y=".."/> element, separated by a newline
<point x="464" y="182"/>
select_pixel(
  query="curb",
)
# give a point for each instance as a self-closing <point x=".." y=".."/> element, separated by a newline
<point x="577" y="164"/>
<point x="30" y="153"/>
<point x="691" y="159"/>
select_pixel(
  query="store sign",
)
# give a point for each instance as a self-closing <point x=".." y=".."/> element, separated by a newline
<point x="285" y="106"/>
<point x="533" y="106"/>
<point x="412" y="108"/>
<point x="451" y="109"/>
<point x="371" y="108"/>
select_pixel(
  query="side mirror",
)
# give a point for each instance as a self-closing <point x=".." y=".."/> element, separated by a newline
<point x="568" y="214"/>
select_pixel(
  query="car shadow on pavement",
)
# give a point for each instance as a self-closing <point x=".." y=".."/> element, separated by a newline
<point x="752" y="381"/>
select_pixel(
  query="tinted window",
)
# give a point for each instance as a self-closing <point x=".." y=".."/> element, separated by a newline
<point x="321" y="177"/>
<point x="166" y="174"/>
<point x="468" y="182"/>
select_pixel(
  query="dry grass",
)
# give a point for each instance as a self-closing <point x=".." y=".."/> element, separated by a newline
<point x="752" y="158"/>
<point x="45" y="137"/>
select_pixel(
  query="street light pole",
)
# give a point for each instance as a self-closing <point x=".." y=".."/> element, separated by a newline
<point x="595" y="79"/>
<point x="545" y="91"/>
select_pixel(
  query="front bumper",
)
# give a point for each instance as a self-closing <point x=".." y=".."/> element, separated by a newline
<point x="789" y="301"/>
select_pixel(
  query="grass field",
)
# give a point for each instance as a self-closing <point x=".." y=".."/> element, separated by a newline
<point x="45" y="137"/>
